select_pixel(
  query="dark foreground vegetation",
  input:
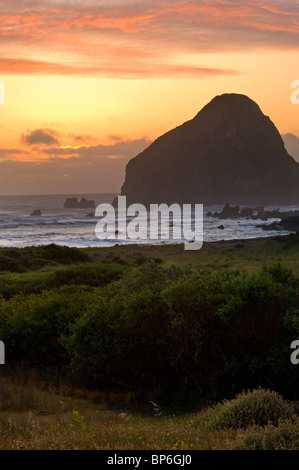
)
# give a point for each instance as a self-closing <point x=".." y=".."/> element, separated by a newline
<point x="161" y="327"/>
<point x="32" y="418"/>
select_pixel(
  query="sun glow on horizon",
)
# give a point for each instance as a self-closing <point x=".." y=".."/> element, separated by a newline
<point x="95" y="80"/>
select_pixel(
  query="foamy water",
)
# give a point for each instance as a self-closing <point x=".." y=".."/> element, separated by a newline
<point x="75" y="228"/>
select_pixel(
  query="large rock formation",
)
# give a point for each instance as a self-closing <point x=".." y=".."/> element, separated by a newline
<point x="230" y="152"/>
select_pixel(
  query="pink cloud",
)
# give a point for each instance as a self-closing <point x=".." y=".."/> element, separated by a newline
<point x="128" y="69"/>
<point x="99" y="37"/>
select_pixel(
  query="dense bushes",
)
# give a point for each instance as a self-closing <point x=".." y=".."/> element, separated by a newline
<point x="21" y="259"/>
<point x="88" y="274"/>
<point x="229" y="329"/>
<point x="210" y="334"/>
<point x="33" y="327"/>
<point x="168" y="332"/>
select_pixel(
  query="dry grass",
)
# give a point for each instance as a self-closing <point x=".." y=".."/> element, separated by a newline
<point x="37" y="419"/>
<point x="31" y="418"/>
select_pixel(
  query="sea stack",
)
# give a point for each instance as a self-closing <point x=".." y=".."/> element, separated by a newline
<point x="74" y="203"/>
<point x="230" y="152"/>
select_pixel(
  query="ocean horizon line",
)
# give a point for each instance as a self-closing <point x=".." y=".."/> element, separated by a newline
<point x="56" y="194"/>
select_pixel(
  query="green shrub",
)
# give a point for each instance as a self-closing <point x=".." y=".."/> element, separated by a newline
<point x="194" y="333"/>
<point x="258" y="407"/>
<point x="89" y="274"/>
<point x="9" y="264"/>
<point x="33" y="327"/>
<point x="188" y="332"/>
<point x="123" y="338"/>
<point x="229" y="332"/>
<point x="23" y="259"/>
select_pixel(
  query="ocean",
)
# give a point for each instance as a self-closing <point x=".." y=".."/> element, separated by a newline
<point x="76" y="228"/>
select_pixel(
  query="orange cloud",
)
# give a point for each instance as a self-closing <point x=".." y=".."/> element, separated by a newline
<point x="129" y="69"/>
<point x="271" y="27"/>
<point x="98" y="38"/>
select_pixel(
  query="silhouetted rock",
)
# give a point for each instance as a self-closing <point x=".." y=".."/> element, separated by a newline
<point x="229" y="212"/>
<point x="290" y="223"/>
<point x="73" y="203"/>
<point x="275" y="214"/>
<point x="221" y="227"/>
<point x="36" y="213"/>
<point x="230" y="151"/>
<point x="274" y="226"/>
<point x="246" y="212"/>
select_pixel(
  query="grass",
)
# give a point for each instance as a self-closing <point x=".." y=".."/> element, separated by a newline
<point x="213" y="255"/>
<point x="32" y="418"/>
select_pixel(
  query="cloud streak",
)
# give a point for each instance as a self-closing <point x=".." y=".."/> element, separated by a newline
<point x="60" y="169"/>
<point x="142" y="39"/>
<point x="121" y="148"/>
<point x="110" y="69"/>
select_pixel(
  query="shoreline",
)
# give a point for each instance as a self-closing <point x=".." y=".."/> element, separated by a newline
<point x="153" y="245"/>
<point x="161" y="245"/>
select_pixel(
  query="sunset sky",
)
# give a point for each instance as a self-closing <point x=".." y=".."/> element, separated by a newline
<point x="89" y="84"/>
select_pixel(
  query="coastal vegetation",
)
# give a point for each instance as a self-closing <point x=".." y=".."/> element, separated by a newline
<point x="195" y="345"/>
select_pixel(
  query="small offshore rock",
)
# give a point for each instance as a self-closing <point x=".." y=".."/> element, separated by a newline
<point x="36" y="213"/>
